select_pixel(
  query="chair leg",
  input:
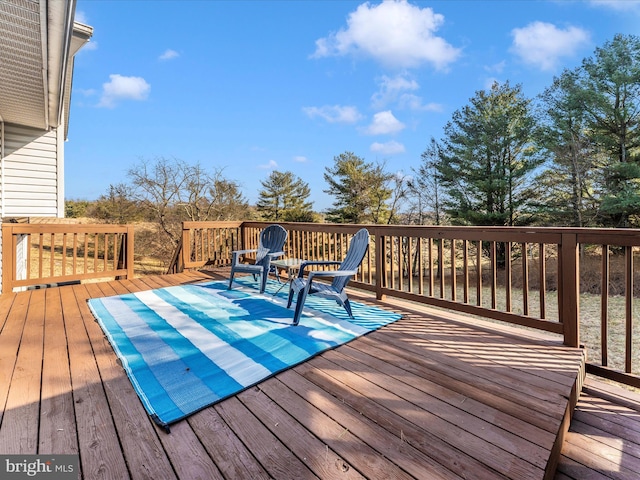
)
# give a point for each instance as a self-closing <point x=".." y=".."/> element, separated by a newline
<point x="290" y="299"/>
<point x="230" y="280"/>
<point x="302" y="296"/>
<point x="347" y="307"/>
<point x="263" y="281"/>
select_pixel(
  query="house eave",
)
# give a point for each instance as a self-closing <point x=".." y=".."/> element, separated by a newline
<point x="37" y="42"/>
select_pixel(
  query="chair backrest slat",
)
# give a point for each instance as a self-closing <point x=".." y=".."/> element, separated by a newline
<point x="355" y="254"/>
<point x="271" y="240"/>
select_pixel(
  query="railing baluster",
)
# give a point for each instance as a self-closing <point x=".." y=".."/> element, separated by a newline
<point x="479" y="273"/>
<point x="453" y="271"/>
<point x="494" y="276"/>
<point x="431" y="285"/>
<point x="41" y="254"/>
<point x="465" y="271"/>
<point x="525" y="279"/>
<point x="628" y="352"/>
<point x="401" y="266"/>
<point x="393" y="262"/>
<point x="75" y="254"/>
<point x="543" y="281"/>
<point x="507" y="277"/>
<point x="441" y="266"/>
<point x="604" y="307"/>
<point x="420" y="268"/>
<point x="105" y="255"/>
<point x="52" y="246"/>
<point x="409" y="258"/>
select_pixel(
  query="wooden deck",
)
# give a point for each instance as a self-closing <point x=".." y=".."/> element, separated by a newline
<point x="431" y="396"/>
<point x="604" y="439"/>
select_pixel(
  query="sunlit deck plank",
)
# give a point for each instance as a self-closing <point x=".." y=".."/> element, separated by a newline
<point x="57" y="418"/>
<point x="20" y="422"/>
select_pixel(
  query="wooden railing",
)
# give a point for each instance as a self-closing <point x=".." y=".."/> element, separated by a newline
<point x="206" y="243"/>
<point x="46" y="254"/>
<point x="532" y="277"/>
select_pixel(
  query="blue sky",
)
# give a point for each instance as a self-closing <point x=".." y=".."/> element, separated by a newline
<point x="248" y="87"/>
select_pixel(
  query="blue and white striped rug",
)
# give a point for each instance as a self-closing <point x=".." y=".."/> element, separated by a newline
<point x="188" y="347"/>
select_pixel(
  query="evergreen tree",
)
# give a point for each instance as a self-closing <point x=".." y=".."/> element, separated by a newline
<point x="567" y="191"/>
<point x="487" y="156"/>
<point x="610" y="98"/>
<point x="284" y="198"/>
<point x="227" y="201"/>
<point x="361" y="190"/>
<point x="425" y="189"/>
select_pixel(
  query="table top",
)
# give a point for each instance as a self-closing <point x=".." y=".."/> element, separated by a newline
<point x="287" y="262"/>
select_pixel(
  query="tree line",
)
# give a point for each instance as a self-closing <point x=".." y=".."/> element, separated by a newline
<point x="568" y="157"/>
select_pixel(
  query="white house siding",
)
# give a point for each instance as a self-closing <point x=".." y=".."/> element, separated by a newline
<point x="31" y="172"/>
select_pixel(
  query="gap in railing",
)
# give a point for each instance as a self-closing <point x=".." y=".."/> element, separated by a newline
<point x="609" y="306"/>
<point x="60" y="255"/>
<point x="491" y="275"/>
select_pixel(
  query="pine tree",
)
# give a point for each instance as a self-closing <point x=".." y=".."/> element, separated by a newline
<point x="610" y="98"/>
<point x="284" y="197"/>
<point x="568" y="189"/>
<point x="486" y="158"/>
<point x="361" y="190"/>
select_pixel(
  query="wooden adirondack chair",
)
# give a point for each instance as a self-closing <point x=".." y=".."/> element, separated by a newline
<point x="302" y="286"/>
<point x="270" y="246"/>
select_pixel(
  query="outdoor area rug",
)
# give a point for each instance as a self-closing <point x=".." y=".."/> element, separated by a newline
<point x="187" y="347"/>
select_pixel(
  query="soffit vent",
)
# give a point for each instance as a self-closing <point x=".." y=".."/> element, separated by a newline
<point x="21" y="63"/>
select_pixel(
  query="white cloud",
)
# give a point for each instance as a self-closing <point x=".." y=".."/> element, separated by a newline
<point x="543" y="44"/>
<point x="388" y="148"/>
<point x="395" y="33"/>
<point x="120" y="87"/>
<point x="390" y="88"/>
<point x="270" y="165"/>
<point x="81" y="17"/>
<point x="89" y="46"/>
<point x="619" y="5"/>
<point x="393" y="90"/>
<point x="300" y="159"/>
<point x="497" y="67"/>
<point x="169" y="55"/>
<point x="384" y="123"/>
<point x="334" y="113"/>
<point x="86" y="92"/>
<point x="414" y="102"/>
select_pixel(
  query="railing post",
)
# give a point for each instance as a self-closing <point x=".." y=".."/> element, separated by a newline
<point x="243" y="237"/>
<point x="379" y="263"/>
<point x="186" y="249"/>
<point x="8" y="259"/>
<point x="130" y="255"/>
<point x="569" y="296"/>
<point x="125" y="255"/>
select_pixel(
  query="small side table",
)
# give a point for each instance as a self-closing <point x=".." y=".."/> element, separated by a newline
<point x="288" y="264"/>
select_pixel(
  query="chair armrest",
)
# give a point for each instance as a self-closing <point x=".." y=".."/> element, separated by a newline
<point x="333" y="273"/>
<point x="314" y="263"/>
<point x="275" y="254"/>
<point x="235" y="255"/>
<point x="240" y="252"/>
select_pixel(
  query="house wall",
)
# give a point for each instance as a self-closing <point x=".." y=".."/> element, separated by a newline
<point x="31" y="172"/>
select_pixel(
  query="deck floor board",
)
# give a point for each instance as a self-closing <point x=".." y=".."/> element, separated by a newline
<point x="431" y="396"/>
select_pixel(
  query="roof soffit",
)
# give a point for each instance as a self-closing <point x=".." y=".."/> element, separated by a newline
<point x="38" y="39"/>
